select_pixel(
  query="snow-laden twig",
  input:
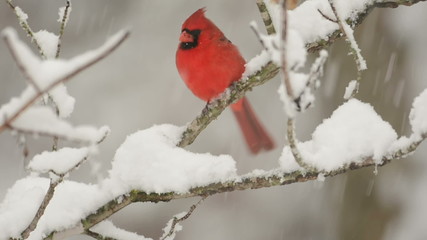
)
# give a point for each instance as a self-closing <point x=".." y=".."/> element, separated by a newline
<point x="60" y="174"/>
<point x="348" y="34"/>
<point x="49" y="194"/>
<point x="33" y="68"/>
<point x="63" y="19"/>
<point x="173" y="226"/>
<point x="347" y="31"/>
<point x="22" y="18"/>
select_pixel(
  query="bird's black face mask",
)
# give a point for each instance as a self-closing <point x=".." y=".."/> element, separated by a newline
<point x="189" y="38"/>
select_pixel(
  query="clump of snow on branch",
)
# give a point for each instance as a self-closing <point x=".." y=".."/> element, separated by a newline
<point x="20" y="204"/>
<point x="44" y="75"/>
<point x="255" y="64"/>
<point x="107" y="229"/>
<point x="60" y="161"/>
<point x="22" y="16"/>
<point x="48" y="42"/>
<point x="149" y="160"/>
<point x="349" y="90"/>
<point x="353" y="133"/>
<point x="309" y="23"/>
<point x="61" y="13"/>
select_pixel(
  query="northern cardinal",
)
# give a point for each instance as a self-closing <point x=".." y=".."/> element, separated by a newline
<point x="208" y="63"/>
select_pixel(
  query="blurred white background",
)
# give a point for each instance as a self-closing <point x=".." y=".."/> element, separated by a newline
<point x="138" y="86"/>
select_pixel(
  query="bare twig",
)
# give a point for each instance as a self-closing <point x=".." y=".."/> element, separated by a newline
<point x="31" y="101"/>
<point x="327" y="17"/>
<point x="283" y="46"/>
<point x="266" y="18"/>
<point x="293" y="145"/>
<point x="176" y="220"/>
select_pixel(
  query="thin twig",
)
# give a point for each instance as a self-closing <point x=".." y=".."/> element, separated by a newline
<point x="26" y="233"/>
<point x="176" y="220"/>
<point x="31" y="101"/>
<point x="294" y="147"/>
<point x="316" y="72"/>
<point x="283" y="50"/>
<point x="26" y="27"/>
<point x="327" y="17"/>
<point x="358" y="58"/>
<point x="62" y="27"/>
<point x="289" y="92"/>
<point x="254" y="28"/>
<point x="266" y="18"/>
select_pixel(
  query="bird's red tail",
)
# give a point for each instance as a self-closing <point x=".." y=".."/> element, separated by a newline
<point x="254" y="132"/>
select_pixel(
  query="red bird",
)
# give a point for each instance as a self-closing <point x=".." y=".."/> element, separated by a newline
<point x="208" y="63"/>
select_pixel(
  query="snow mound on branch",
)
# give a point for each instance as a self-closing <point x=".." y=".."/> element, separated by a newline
<point x="20" y="205"/>
<point x="60" y="162"/>
<point x="149" y="160"/>
<point x="353" y="132"/>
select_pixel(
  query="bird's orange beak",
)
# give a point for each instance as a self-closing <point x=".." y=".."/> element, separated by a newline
<point x="186" y="37"/>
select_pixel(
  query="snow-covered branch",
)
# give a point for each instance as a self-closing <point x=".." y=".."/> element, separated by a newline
<point x="152" y="165"/>
<point x="173" y="225"/>
<point x="354" y="20"/>
<point x="262" y="69"/>
<point x="47" y="74"/>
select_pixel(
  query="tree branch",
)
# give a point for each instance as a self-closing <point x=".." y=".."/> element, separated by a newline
<point x="26" y="233"/>
<point x="7" y="122"/>
<point x="177" y="220"/>
<point x="275" y="177"/>
<point x="26" y="27"/>
<point x="269" y="71"/>
<point x="62" y="27"/>
<point x="266" y="18"/>
<point x="358" y="19"/>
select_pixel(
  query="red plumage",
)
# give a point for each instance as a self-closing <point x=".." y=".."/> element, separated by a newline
<point x="208" y="63"/>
